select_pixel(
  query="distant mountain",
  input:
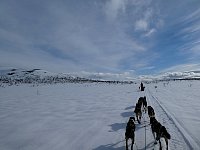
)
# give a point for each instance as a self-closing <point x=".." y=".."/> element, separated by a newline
<point x="181" y="75"/>
<point x="36" y="76"/>
<point x="187" y="75"/>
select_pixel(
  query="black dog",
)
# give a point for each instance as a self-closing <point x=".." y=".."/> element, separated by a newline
<point x="138" y="111"/>
<point x="140" y="101"/>
<point x="151" y="112"/>
<point x="163" y="133"/>
<point x="160" y="131"/>
<point x="130" y="132"/>
<point x="154" y="125"/>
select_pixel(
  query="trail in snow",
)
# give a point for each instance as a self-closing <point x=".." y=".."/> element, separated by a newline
<point x="177" y="140"/>
<point x="181" y="138"/>
<point x="83" y="116"/>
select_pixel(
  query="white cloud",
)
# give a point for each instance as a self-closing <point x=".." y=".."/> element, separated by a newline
<point x="148" y="67"/>
<point x="14" y="41"/>
<point x="148" y="23"/>
<point x="114" y="7"/>
<point x="106" y="76"/>
<point x="141" y="25"/>
<point x="150" y="32"/>
<point x="195" y="50"/>
<point x="191" y="16"/>
<point x="160" y="23"/>
<point x="189" y="34"/>
<point x="77" y="36"/>
<point x="182" y="68"/>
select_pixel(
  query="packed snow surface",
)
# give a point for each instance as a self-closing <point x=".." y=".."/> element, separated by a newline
<point x="94" y="116"/>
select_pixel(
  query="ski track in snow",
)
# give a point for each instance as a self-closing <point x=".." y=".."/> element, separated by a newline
<point x="181" y="137"/>
<point x="82" y="116"/>
<point x="177" y="140"/>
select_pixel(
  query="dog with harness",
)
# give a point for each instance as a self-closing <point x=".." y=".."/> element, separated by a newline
<point x="161" y="132"/>
<point x="130" y="132"/>
<point x="138" y="111"/>
<point x="151" y="112"/>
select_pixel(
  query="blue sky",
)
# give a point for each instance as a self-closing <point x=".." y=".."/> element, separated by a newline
<point x="108" y="36"/>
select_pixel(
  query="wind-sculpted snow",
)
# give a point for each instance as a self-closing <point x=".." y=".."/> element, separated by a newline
<point x="93" y="116"/>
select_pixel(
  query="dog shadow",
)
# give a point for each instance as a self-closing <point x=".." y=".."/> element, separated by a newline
<point x="130" y="107"/>
<point x="117" y="126"/>
<point x="127" y="114"/>
<point x="110" y="146"/>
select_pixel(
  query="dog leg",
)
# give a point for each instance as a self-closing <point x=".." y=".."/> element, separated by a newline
<point x="126" y="143"/>
<point x="133" y="141"/>
<point x="166" y="140"/>
<point x="137" y="116"/>
<point x="139" y="122"/>
<point x="154" y="137"/>
<point x="153" y="133"/>
<point x="132" y="145"/>
<point x="160" y="144"/>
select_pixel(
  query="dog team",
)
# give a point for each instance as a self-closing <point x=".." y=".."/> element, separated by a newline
<point x="159" y="131"/>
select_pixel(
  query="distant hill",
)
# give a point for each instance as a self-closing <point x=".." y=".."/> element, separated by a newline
<point x="38" y="76"/>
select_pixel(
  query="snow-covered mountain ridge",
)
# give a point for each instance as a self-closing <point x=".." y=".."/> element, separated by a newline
<point x="36" y="76"/>
<point x="187" y="75"/>
<point x="15" y="76"/>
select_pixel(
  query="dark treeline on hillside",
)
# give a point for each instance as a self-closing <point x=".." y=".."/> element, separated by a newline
<point x="164" y="80"/>
<point x="12" y="79"/>
<point x="53" y="80"/>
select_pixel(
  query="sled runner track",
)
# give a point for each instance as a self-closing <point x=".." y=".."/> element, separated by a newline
<point x="179" y="141"/>
<point x="144" y="139"/>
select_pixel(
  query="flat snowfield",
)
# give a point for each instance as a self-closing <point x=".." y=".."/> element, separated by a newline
<point x="94" y="116"/>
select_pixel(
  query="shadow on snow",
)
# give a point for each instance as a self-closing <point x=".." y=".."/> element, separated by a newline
<point x="127" y="114"/>
<point x="130" y="107"/>
<point x="117" y="126"/>
<point x="110" y="146"/>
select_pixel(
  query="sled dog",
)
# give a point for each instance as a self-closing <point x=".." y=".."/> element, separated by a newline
<point x="138" y="112"/>
<point x="160" y="131"/>
<point x="130" y="132"/>
<point x="151" y="112"/>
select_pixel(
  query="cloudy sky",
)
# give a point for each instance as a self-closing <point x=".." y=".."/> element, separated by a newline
<point x="107" y="36"/>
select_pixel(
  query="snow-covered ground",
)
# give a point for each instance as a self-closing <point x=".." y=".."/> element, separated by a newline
<point x="93" y="116"/>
